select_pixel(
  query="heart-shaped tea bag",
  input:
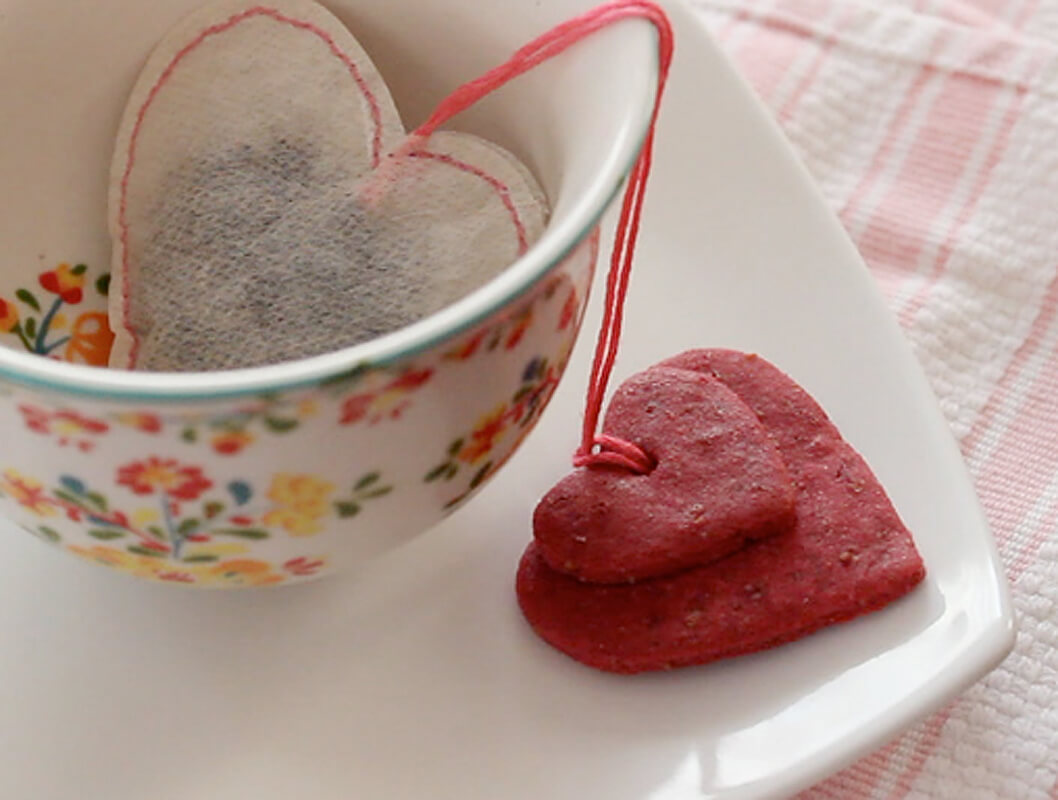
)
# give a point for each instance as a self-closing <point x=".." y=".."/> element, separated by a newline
<point x="263" y="208"/>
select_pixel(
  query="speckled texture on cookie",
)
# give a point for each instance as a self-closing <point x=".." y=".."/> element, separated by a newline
<point x="848" y="554"/>
<point x="719" y="482"/>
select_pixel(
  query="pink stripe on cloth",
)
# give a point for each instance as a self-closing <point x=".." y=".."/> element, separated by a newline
<point x="766" y="55"/>
<point x="932" y="193"/>
<point x="900" y="224"/>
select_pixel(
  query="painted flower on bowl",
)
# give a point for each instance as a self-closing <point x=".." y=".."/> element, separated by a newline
<point x="302" y="501"/>
<point x="69" y="427"/>
<point x="28" y="493"/>
<point x="164" y="476"/>
<point x="65" y="281"/>
<point x="8" y="316"/>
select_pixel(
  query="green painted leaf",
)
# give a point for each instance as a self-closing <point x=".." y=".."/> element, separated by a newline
<point x="342" y="379"/>
<point x="455" y="447"/>
<point x="27" y="297"/>
<point x="49" y="534"/>
<point x="144" y="551"/>
<point x="241" y="533"/>
<point x="96" y="499"/>
<point x="367" y="480"/>
<point x="157" y="532"/>
<point x="30" y="327"/>
<point x="480" y="477"/>
<point x="74" y="499"/>
<point x="277" y="425"/>
<point x="203" y="559"/>
<point x="106" y="536"/>
<point x="381" y="491"/>
<point x="188" y="526"/>
<point x="189" y="435"/>
<point x="103" y="284"/>
<point x="347" y="509"/>
<point x="213" y="509"/>
<point x="80" y="269"/>
<point x="451" y="471"/>
<point x="436" y="472"/>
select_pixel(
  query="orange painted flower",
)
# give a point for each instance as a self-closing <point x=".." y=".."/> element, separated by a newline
<point x="230" y="443"/>
<point x="90" y="340"/>
<point x="8" y="316"/>
<point x="147" y="423"/>
<point x="65" y="281"/>
<point x="489" y="428"/>
<point x="28" y="493"/>
<point x="165" y="476"/>
<point x="242" y="572"/>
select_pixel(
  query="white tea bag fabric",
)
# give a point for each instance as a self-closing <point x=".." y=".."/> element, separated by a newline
<point x="263" y="208"/>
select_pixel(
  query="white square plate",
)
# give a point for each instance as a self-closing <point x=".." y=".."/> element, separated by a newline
<point x="419" y="679"/>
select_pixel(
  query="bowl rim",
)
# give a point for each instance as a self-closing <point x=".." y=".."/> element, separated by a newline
<point x="559" y="240"/>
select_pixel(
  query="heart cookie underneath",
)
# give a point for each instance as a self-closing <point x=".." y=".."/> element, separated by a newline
<point x="847" y="554"/>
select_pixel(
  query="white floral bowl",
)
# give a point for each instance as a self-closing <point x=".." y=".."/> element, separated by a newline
<point x="278" y="474"/>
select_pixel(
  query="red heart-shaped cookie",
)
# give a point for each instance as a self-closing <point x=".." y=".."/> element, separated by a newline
<point x="718" y="482"/>
<point x="847" y="554"/>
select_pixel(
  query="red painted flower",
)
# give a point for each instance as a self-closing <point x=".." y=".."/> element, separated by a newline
<point x="355" y="408"/>
<point x="65" y="281"/>
<point x="176" y="577"/>
<point x="468" y="349"/>
<point x="230" y="443"/>
<point x="569" y="311"/>
<point x="484" y="437"/>
<point x="304" y="567"/>
<point x="517" y="333"/>
<point x="165" y="476"/>
<point x="410" y="380"/>
<point x="69" y="426"/>
<point x="8" y="316"/>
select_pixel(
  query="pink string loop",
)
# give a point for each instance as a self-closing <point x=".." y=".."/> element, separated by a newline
<point x="603" y="450"/>
<point x="613" y="452"/>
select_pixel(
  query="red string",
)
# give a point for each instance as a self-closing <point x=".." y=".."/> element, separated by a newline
<point x="594" y="450"/>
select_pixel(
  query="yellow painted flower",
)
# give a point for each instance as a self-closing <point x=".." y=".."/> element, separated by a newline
<point x="218" y="550"/>
<point x="142" y="517"/>
<point x="294" y="522"/>
<point x="129" y="563"/>
<point x="59" y="322"/>
<point x="28" y="493"/>
<point x="308" y="408"/>
<point x="305" y="493"/>
<point x="8" y="315"/>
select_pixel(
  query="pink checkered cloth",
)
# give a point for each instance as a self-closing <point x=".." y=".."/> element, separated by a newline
<point x="932" y="128"/>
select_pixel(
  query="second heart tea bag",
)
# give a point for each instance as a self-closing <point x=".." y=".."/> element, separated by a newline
<point x="265" y="205"/>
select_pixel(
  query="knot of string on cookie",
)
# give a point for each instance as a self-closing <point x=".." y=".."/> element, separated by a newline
<point x="601" y="450"/>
